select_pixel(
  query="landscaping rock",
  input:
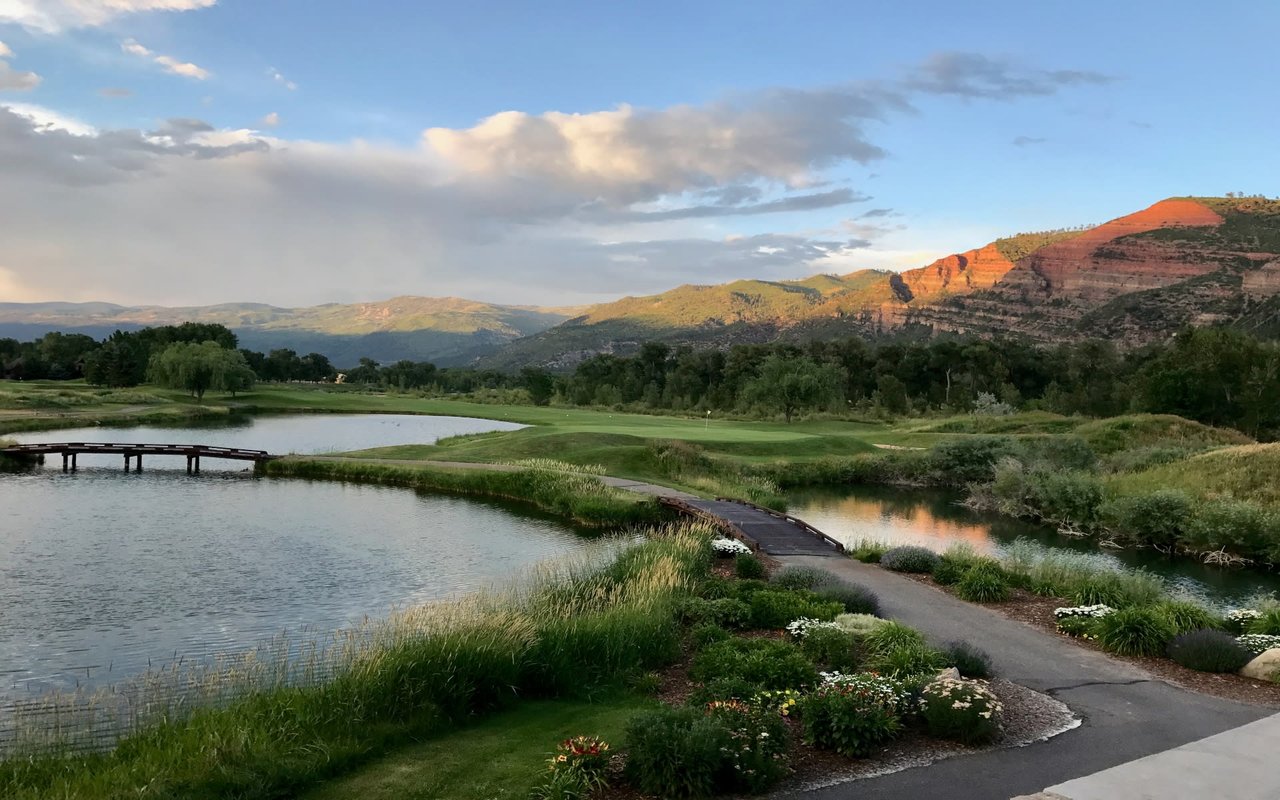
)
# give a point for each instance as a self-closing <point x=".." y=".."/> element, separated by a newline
<point x="949" y="672"/>
<point x="1265" y="667"/>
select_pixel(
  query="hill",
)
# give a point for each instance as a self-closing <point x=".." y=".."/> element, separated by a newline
<point x="445" y="330"/>
<point x="1135" y="279"/>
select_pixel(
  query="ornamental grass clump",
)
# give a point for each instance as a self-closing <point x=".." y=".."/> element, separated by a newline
<point x="1208" y="651"/>
<point x="983" y="583"/>
<point x="894" y="649"/>
<point x="1188" y="616"/>
<point x="748" y="566"/>
<point x="831" y="647"/>
<point x="852" y="714"/>
<point x="1137" y="631"/>
<point x="962" y="710"/>
<point x="909" y="558"/>
<point x="1267" y="623"/>
<point x="971" y="661"/>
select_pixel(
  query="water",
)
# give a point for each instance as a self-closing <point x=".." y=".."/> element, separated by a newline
<point x="103" y="573"/>
<point x="936" y="520"/>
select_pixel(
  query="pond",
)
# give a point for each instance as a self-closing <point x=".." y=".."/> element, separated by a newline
<point x="103" y="573"/>
<point x="936" y="520"/>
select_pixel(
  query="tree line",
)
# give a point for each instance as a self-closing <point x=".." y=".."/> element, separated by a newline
<point x="1217" y="376"/>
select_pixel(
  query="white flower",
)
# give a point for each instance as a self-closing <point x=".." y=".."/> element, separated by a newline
<point x="1099" y="610"/>
<point x="1243" y="614"/>
<point x="729" y="547"/>
<point x="1258" y="643"/>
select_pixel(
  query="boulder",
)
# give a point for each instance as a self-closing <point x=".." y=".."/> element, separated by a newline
<point x="949" y="672"/>
<point x="1265" y="667"/>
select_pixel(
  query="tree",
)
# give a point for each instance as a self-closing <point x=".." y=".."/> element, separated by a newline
<point x="197" y="368"/>
<point x="791" y="384"/>
<point x="539" y="383"/>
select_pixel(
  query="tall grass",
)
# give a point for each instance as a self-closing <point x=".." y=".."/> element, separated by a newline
<point x="282" y="725"/>
<point x="575" y="496"/>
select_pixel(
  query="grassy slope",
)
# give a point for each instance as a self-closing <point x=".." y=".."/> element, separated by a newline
<point x="501" y="757"/>
<point x="1248" y="472"/>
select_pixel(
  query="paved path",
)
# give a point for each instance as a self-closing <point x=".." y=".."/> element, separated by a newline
<point x="1127" y="713"/>
<point x="1238" y="764"/>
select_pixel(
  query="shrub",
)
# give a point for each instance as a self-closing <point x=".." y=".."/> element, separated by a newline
<point x="722" y="689"/>
<point x="868" y="551"/>
<point x="754" y="759"/>
<point x="764" y="663"/>
<point x="1237" y="526"/>
<point x="1058" y="453"/>
<point x="949" y="570"/>
<point x="909" y="558"/>
<point x="1072" y="498"/>
<point x="746" y="589"/>
<point x="770" y="609"/>
<point x="855" y="599"/>
<point x="1155" y="519"/>
<point x="860" y="624"/>
<point x="971" y="459"/>
<point x="706" y="633"/>
<point x="1268" y="624"/>
<point x="676" y="752"/>
<point x="1083" y="627"/>
<point x="853" y="714"/>
<point x="716" y="587"/>
<point x="965" y="711"/>
<point x="1208" y="651"/>
<point x="983" y="584"/>
<point x="1135" y="631"/>
<point x="833" y="648"/>
<point x="971" y="661"/>
<point x="748" y="566"/>
<point x="729" y="612"/>
<point x="801" y="578"/>
<point x="1187" y="616"/>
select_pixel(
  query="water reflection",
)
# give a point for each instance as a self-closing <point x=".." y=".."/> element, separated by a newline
<point x="936" y="520"/>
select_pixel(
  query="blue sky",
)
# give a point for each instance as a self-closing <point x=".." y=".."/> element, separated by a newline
<point x="302" y="152"/>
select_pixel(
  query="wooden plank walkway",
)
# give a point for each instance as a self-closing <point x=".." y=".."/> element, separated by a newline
<point x="136" y="450"/>
<point x="768" y="531"/>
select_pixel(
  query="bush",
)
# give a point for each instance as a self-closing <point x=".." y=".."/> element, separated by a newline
<point x="971" y="661"/>
<point x="676" y="752"/>
<point x="746" y="589"/>
<point x="965" y="711"/>
<point x="706" y="633"/>
<point x="1208" y="651"/>
<point x="1135" y="631"/>
<point x="853" y="715"/>
<point x="833" y="648"/>
<point x="971" y="459"/>
<point x="748" y="567"/>
<point x="754" y="759"/>
<point x="855" y="599"/>
<point x="983" y="584"/>
<point x="868" y="551"/>
<point x="860" y="624"/>
<point x="1155" y="519"/>
<point x="1236" y="526"/>
<point x="1058" y="453"/>
<point x="1078" y="626"/>
<point x="1072" y="498"/>
<point x="801" y="578"/>
<point x="909" y="558"/>
<point x="764" y="663"/>
<point x="716" y="587"/>
<point x="949" y="570"/>
<point x="894" y="649"/>
<point x="1268" y="624"/>
<point x="1187" y="616"/>
<point x="770" y="609"/>
<point x="722" y="689"/>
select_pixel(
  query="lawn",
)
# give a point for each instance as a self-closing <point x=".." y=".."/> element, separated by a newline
<point x="501" y="757"/>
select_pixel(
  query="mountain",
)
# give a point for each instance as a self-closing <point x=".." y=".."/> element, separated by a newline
<point x="1134" y="280"/>
<point x="446" y="330"/>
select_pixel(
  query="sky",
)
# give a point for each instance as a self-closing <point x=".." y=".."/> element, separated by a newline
<point x="299" y="152"/>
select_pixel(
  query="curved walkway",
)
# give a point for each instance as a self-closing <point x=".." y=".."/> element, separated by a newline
<point x="1126" y="712"/>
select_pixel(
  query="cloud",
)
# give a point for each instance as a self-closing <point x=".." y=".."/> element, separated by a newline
<point x="530" y="208"/>
<point x="1027" y="141"/>
<point x="878" y="212"/>
<point x="170" y="64"/>
<point x="280" y="79"/>
<point x="270" y="120"/>
<point x="54" y="16"/>
<point x="115" y="92"/>
<point x="975" y="75"/>
<point x="11" y="79"/>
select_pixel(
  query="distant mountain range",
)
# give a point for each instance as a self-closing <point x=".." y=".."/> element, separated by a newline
<point x="1134" y="280"/>
<point x="446" y="330"/>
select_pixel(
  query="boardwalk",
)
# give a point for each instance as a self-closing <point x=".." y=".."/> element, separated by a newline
<point x="134" y="450"/>
<point x="768" y="531"/>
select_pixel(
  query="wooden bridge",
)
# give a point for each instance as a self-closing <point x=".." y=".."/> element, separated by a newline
<point x="132" y="450"/>
<point x="763" y="529"/>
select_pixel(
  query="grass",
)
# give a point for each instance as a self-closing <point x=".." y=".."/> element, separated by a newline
<point x="571" y="631"/>
<point x="511" y="746"/>
<point x="1248" y="472"/>
<point x="576" y="496"/>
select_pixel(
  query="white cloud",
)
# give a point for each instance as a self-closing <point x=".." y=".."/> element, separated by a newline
<point x="170" y="64"/>
<point x="280" y="79"/>
<point x="533" y="208"/>
<point x="271" y="120"/>
<point x="11" y="79"/>
<point x="53" y="16"/>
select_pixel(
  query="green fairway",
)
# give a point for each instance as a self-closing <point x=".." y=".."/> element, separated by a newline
<point x="500" y="757"/>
